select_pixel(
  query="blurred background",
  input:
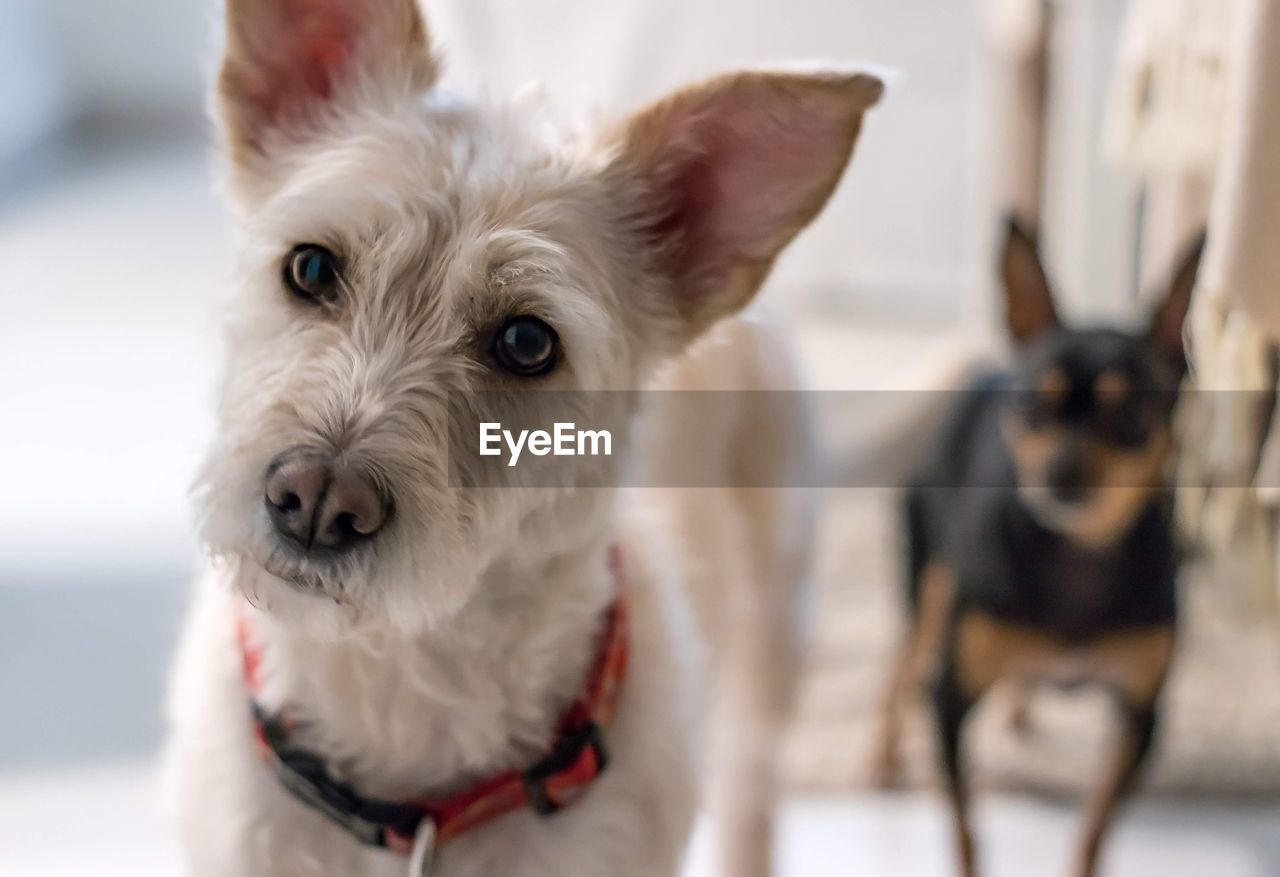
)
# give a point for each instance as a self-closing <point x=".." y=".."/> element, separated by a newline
<point x="113" y="251"/>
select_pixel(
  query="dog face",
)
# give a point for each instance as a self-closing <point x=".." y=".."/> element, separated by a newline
<point x="1089" y="427"/>
<point x="403" y="256"/>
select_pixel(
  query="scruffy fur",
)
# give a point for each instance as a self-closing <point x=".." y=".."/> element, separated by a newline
<point x="444" y="650"/>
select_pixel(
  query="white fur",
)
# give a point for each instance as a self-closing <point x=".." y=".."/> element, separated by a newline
<point x="447" y="650"/>
<point x="522" y="588"/>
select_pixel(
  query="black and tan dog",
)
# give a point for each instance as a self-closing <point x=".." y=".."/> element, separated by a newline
<point x="1040" y="540"/>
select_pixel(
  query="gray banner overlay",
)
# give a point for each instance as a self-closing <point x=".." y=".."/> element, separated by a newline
<point x="882" y="439"/>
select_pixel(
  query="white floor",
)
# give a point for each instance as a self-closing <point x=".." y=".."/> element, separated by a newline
<point x="103" y="822"/>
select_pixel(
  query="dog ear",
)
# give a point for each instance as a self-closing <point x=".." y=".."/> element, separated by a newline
<point x="1028" y="298"/>
<point x="1170" y="314"/>
<point x="732" y="170"/>
<point x="291" y="64"/>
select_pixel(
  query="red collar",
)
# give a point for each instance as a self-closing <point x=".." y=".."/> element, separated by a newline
<point x="575" y="759"/>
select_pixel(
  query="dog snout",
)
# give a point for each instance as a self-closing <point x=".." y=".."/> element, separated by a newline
<point x="1066" y="476"/>
<point x="319" y="503"/>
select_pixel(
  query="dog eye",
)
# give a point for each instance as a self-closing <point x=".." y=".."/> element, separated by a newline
<point x="311" y="273"/>
<point x="526" y="346"/>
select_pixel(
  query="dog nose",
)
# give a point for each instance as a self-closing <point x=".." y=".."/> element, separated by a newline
<point x="319" y="504"/>
<point x="1066" y="477"/>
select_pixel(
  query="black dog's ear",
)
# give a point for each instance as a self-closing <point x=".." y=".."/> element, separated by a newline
<point x="1171" y="312"/>
<point x="1028" y="298"/>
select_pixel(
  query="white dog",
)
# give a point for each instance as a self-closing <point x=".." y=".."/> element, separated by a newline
<point x="438" y="654"/>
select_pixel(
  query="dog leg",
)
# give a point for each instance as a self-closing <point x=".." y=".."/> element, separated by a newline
<point x="1135" y="667"/>
<point x="1130" y="754"/>
<point x="748" y="722"/>
<point x="913" y="663"/>
<point x="952" y="705"/>
<point x="747" y="547"/>
<point x="885" y="756"/>
<point x="760" y="656"/>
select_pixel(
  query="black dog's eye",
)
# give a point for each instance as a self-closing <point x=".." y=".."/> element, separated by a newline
<point x="526" y="346"/>
<point x="311" y="273"/>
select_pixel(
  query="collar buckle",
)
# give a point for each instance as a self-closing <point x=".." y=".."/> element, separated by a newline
<point x="560" y="779"/>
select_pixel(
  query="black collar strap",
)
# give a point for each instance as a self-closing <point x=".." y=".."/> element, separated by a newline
<point x="576" y="758"/>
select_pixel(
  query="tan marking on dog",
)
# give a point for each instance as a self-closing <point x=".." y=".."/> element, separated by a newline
<point x="1122" y="480"/>
<point x="1054" y="385"/>
<point x="1125" y="483"/>
<point x="1031" y="448"/>
<point x="1103" y="802"/>
<point x="988" y="650"/>
<point x="913" y="663"/>
<point x="1137" y="665"/>
<point x="1110" y="387"/>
